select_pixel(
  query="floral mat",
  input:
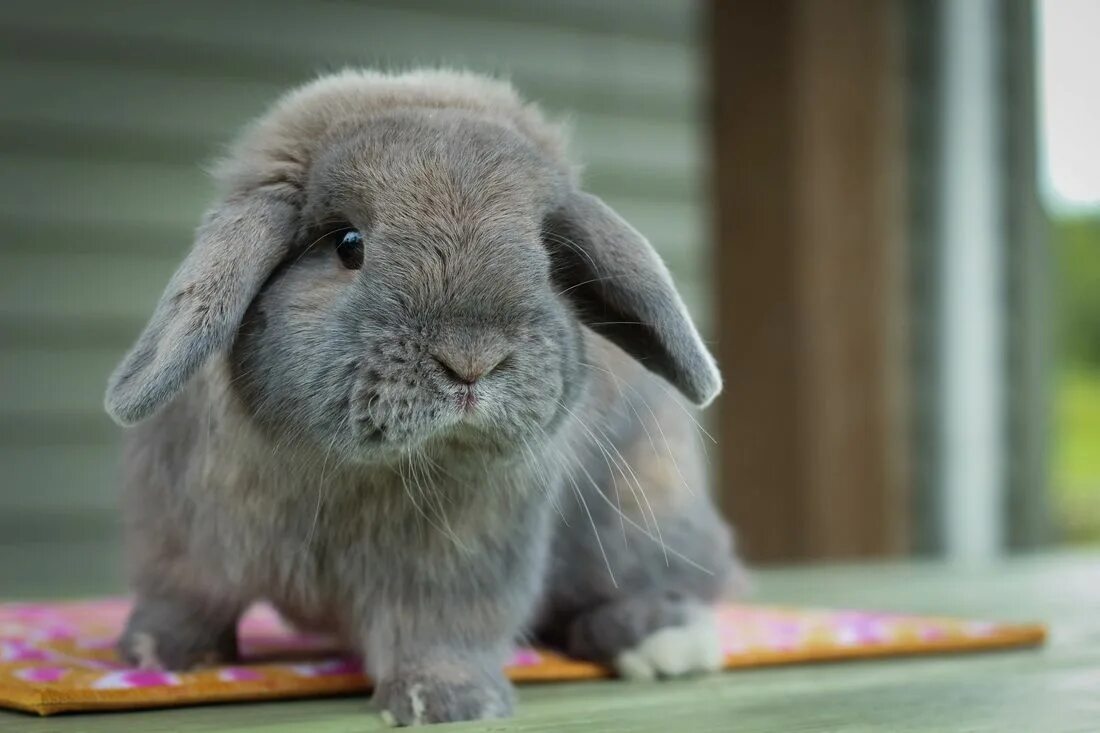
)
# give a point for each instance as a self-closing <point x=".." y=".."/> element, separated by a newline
<point x="58" y="657"/>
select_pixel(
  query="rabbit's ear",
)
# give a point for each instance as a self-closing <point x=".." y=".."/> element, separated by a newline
<point x="623" y="291"/>
<point x="236" y="248"/>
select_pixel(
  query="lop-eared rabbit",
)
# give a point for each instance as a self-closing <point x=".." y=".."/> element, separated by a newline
<point x="417" y="389"/>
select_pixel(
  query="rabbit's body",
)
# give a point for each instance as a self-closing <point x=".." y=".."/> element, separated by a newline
<point x="432" y="453"/>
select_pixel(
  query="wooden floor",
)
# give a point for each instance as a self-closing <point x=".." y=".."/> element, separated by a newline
<point x="1051" y="690"/>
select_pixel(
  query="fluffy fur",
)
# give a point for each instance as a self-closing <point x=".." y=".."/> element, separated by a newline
<point x="432" y="455"/>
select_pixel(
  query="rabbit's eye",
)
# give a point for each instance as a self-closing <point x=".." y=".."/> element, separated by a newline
<point x="350" y="249"/>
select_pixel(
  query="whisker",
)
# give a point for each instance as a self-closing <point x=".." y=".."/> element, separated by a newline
<point x="424" y="490"/>
<point x="675" y="553"/>
<point x="608" y="460"/>
<point x="440" y="502"/>
<point x="321" y="491"/>
<point x="657" y="423"/>
<point x="408" y="493"/>
<point x="595" y="531"/>
<point x="561" y="239"/>
<point x="588" y="282"/>
<point x="528" y="459"/>
<point x="320" y="238"/>
<point x="641" y="490"/>
<point x="579" y="493"/>
<point x="668" y="391"/>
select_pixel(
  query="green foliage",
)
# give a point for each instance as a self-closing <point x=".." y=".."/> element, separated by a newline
<point x="1076" y="244"/>
<point x="1077" y="454"/>
<point x="1076" y="479"/>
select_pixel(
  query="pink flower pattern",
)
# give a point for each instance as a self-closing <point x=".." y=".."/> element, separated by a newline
<point x="41" y="674"/>
<point x="327" y="668"/>
<point x="130" y="678"/>
<point x="524" y="657"/>
<point x="239" y="674"/>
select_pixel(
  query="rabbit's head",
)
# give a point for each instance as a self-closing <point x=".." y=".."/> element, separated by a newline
<point x="392" y="269"/>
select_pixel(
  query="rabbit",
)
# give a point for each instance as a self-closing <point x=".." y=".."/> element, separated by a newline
<point x="417" y="389"/>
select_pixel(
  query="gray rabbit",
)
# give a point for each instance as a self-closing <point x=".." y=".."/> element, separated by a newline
<point x="403" y="387"/>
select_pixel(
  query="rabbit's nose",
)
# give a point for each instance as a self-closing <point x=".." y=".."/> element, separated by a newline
<point x="466" y="366"/>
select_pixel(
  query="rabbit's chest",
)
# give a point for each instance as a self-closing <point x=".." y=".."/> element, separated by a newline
<point x="316" y="553"/>
<point x="317" y="540"/>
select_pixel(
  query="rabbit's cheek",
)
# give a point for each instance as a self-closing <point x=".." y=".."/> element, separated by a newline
<point x="391" y="410"/>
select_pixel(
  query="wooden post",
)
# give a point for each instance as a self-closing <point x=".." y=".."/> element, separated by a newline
<point x="809" y="282"/>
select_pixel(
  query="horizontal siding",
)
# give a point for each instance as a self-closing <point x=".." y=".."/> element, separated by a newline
<point x="59" y="479"/>
<point x="54" y="381"/>
<point x="572" y="67"/>
<point x="112" y="110"/>
<point x="77" y="192"/>
<point x="84" y="286"/>
<point x="665" y="20"/>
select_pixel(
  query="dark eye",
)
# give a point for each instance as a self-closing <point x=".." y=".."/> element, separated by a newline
<point x="350" y="249"/>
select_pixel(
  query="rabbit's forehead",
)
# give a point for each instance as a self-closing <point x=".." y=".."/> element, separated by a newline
<point x="466" y="167"/>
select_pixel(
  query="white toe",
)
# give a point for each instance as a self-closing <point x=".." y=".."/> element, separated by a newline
<point x="675" y="651"/>
<point x="144" y="647"/>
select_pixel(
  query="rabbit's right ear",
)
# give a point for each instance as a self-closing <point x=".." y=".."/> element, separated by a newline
<point x="623" y="291"/>
<point x="236" y="248"/>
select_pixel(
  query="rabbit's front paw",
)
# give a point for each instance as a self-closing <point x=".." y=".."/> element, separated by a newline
<point x="443" y="694"/>
<point x="168" y="637"/>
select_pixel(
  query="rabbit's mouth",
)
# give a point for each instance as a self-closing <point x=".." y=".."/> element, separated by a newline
<point x="459" y="424"/>
<point x="384" y="445"/>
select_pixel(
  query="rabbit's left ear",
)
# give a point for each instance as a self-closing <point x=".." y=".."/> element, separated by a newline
<point x="623" y="291"/>
<point x="236" y="248"/>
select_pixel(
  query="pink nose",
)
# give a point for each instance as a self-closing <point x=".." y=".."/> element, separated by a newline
<point x="466" y="367"/>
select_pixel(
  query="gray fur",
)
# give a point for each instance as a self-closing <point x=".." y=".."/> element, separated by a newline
<point x="311" y="440"/>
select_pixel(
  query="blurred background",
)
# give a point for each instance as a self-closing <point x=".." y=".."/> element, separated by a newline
<point x="885" y="214"/>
